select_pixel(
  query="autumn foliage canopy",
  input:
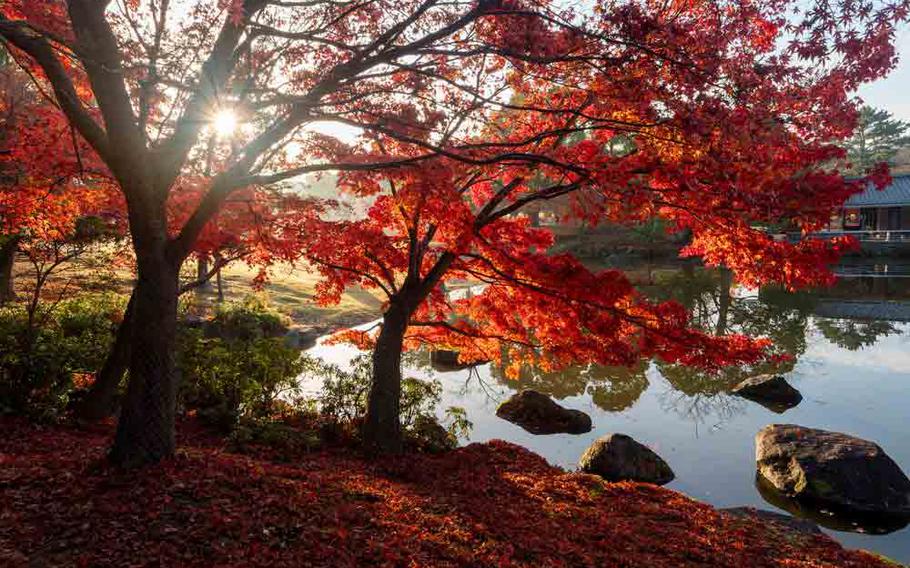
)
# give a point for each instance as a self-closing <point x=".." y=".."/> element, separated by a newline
<point x="687" y="112"/>
<point x="717" y="117"/>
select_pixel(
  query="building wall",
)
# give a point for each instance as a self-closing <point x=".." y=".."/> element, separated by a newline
<point x="881" y="218"/>
<point x="905" y="218"/>
<point x="872" y="219"/>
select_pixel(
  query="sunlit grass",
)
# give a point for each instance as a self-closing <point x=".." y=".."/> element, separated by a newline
<point x="291" y="289"/>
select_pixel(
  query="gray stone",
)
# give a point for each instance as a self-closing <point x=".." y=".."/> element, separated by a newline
<point x="617" y="457"/>
<point x="849" y="473"/>
<point x="538" y="414"/>
<point x="445" y="360"/>
<point x="304" y="337"/>
<point x="771" y="391"/>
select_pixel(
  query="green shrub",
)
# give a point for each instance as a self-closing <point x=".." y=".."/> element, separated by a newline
<point x="88" y="325"/>
<point x="344" y="395"/>
<point x="286" y="439"/>
<point x="418" y="398"/>
<point x="343" y="399"/>
<point x="459" y="425"/>
<point x="241" y="373"/>
<point x="250" y="318"/>
<point x="38" y="361"/>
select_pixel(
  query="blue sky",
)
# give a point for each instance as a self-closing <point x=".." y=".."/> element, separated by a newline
<point x="893" y="92"/>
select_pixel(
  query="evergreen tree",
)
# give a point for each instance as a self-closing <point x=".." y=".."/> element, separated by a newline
<point x="877" y="139"/>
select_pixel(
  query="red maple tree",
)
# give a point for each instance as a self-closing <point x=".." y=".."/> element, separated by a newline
<point x="705" y="125"/>
<point x="52" y="190"/>
<point x="468" y="106"/>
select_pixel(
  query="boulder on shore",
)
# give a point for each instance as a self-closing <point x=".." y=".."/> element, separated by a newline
<point x="304" y="337"/>
<point x="539" y="414"/>
<point x="847" y="473"/>
<point x="617" y="457"/>
<point x="771" y="391"/>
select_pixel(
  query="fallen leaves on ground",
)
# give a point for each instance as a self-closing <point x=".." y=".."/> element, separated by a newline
<point x="492" y="504"/>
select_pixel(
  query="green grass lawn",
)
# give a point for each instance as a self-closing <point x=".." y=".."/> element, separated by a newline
<point x="291" y="289"/>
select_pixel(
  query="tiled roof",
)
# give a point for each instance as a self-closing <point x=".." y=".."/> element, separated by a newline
<point x="898" y="193"/>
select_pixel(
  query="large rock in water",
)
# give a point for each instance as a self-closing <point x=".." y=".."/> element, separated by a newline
<point x="848" y="473"/>
<point x="617" y="457"/>
<point x="445" y="360"/>
<point x="771" y="391"/>
<point x="538" y="414"/>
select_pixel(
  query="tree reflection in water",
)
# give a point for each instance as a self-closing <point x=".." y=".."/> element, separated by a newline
<point x="474" y="376"/>
<point x="854" y="335"/>
<point x="716" y="305"/>
<point x="611" y="388"/>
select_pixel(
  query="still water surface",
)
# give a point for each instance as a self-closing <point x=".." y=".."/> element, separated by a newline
<point x="850" y="349"/>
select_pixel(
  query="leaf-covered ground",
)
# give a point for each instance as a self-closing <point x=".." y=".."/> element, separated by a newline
<point x="484" y="505"/>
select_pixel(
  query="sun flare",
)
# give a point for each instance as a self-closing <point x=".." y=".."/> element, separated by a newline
<point x="225" y="122"/>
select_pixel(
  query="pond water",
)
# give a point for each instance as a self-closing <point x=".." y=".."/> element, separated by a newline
<point x="850" y="348"/>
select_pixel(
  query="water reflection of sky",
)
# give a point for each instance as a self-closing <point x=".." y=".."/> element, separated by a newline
<point x="854" y="377"/>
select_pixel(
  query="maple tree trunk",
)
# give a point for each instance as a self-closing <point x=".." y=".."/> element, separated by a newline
<point x="100" y="400"/>
<point x="145" y="431"/>
<point x="382" y="428"/>
<point x="7" y="260"/>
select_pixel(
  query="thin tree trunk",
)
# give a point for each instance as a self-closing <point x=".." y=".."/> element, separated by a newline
<point x="724" y="300"/>
<point x="99" y="401"/>
<point x="382" y="428"/>
<point x="202" y="271"/>
<point x="7" y="260"/>
<point x="220" y="285"/>
<point x="145" y="431"/>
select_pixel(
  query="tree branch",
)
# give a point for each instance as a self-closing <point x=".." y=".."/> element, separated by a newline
<point x="37" y="47"/>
